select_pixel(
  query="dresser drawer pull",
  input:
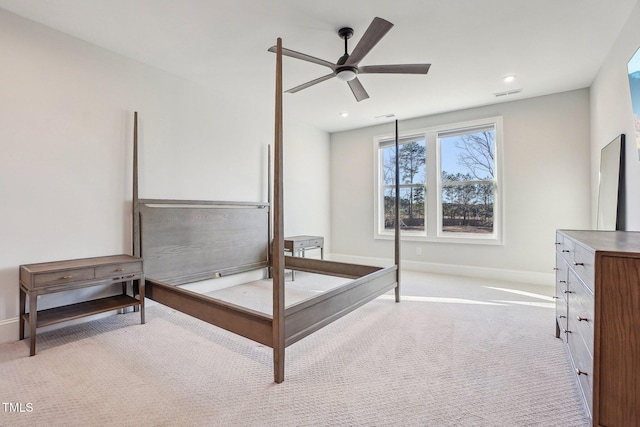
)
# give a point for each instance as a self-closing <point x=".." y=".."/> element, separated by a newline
<point x="567" y="292"/>
<point x="562" y="281"/>
<point x="582" y="319"/>
<point x="66" y="277"/>
<point x="578" y="263"/>
<point x="562" y="316"/>
<point x="119" y="270"/>
<point x="579" y="372"/>
<point x="566" y="250"/>
<point x="566" y="331"/>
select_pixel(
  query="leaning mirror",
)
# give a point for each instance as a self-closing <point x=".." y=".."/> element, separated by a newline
<point x="611" y="186"/>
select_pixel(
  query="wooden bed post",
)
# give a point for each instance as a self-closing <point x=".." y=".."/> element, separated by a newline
<point x="278" y="232"/>
<point x="397" y="220"/>
<point x="135" y="208"/>
<point x="270" y="216"/>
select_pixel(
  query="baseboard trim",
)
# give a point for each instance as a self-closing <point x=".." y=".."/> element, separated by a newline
<point x="9" y="330"/>
<point x="518" y="276"/>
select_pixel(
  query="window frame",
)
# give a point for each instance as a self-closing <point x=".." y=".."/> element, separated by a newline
<point x="433" y="186"/>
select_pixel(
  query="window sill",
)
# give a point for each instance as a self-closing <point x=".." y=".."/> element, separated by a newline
<point x="457" y="240"/>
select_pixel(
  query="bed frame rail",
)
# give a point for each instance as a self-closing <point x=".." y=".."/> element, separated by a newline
<point x="239" y="320"/>
<point x="331" y="268"/>
<point x="306" y="317"/>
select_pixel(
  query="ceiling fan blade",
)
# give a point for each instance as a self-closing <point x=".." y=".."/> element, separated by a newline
<point x="304" y="57"/>
<point x="358" y="89"/>
<point x="395" y="69"/>
<point x="311" y="83"/>
<point x="376" y="31"/>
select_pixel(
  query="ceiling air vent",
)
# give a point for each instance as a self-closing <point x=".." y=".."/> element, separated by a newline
<point x="507" y="93"/>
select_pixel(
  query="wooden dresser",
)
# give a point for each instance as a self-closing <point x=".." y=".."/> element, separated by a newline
<point x="60" y="276"/>
<point x="598" y="317"/>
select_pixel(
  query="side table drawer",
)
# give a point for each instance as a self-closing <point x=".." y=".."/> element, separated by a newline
<point x="63" y="276"/>
<point x="118" y="269"/>
<point x="300" y="244"/>
<point x="316" y="242"/>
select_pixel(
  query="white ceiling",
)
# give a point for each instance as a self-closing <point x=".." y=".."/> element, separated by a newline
<point x="551" y="45"/>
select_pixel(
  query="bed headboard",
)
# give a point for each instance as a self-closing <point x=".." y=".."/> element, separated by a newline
<point x="184" y="241"/>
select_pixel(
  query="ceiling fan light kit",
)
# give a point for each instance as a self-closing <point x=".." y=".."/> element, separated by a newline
<point x="347" y="67"/>
<point x="347" y="74"/>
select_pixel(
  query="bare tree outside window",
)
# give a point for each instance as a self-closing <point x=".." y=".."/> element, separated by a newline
<point x="468" y="182"/>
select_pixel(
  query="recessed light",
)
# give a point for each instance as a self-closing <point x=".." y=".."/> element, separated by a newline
<point x="344" y="114"/>
<point x="509" y="78"/>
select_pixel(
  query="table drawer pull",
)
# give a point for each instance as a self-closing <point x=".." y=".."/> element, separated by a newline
<point x="66" y="277"/>
<point x="124" y="277"/>
<point x="118" y="270"/>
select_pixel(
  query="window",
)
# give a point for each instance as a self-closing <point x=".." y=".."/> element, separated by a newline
<point x="467" y="164"/>
<point x="449" y="183"/>
<point x="413" y="177"/>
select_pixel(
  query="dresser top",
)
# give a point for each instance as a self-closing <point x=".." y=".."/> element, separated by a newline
<point x="607" y="241"/>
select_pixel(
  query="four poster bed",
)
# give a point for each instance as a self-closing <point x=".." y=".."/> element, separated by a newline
<point x="184" y="241"/>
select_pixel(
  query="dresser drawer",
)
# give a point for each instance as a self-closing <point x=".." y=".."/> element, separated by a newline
<point x="580" y="314"/>
<point x="562" y="270"/>
<point x="62" y="277"/>
<point x="583" y="262"/>
<point x="583" y="368"/>
<point x="116" y="270"/>
<point x="565" y="248"/>
<point x="561" y="316"/>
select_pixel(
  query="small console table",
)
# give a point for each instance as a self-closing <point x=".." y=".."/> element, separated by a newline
<point x="297" y="245"/>
<point x="49" y="277"/>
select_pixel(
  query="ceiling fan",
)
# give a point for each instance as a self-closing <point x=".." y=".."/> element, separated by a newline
<point x="347" y="69"/>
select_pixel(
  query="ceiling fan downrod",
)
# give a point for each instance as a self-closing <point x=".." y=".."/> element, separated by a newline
<point x="345" y="73"/>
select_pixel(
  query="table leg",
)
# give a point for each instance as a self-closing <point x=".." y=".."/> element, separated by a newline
<point x="141" y="296"/>
<point x="33" y="321"/>
<point x="23" y="311"/>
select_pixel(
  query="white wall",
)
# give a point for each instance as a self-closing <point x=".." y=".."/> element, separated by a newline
<point x="611" y="115"/>
<point x="546" y="186"/>
<point x="66" y="114"/>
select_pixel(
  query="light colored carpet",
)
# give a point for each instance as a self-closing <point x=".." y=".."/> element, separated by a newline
<point x="455" y="352"/>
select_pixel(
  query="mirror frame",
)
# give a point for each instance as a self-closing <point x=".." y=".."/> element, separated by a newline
<point x="611" y="188"/>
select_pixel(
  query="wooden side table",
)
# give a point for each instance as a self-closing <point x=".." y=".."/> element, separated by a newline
<point x="50" y="277"/>
<point x="297" y="245"/>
